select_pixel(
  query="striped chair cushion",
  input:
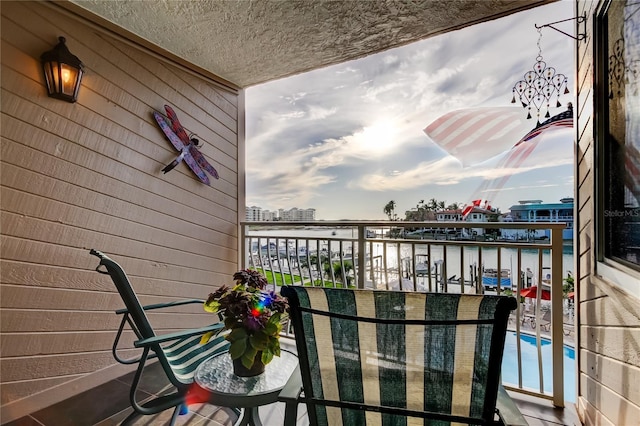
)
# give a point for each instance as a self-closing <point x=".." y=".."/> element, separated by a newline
<point x="414" y="351"/>
<point x="185" y="355"/>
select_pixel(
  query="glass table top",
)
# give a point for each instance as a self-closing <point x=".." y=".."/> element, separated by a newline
<point x="216" y="375"/>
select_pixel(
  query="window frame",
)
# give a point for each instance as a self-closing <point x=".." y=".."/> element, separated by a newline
<point x="623" y="274"/>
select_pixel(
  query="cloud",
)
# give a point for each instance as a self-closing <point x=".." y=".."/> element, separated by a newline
<point x="438" y="172"/>
<point x="320" y="113"/>
<point x="355" y="128"/>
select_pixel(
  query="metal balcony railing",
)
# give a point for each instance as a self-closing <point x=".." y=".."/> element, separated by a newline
<point x="425" y="256"/>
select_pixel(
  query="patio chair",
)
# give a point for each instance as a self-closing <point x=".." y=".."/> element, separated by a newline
<point x="178" y="353"/>
<point x="372" y="357"/>
<point x="545" y="321"/>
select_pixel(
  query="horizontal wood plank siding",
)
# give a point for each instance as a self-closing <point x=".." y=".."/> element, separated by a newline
<point x="88" y="175"/>
<point x="60" y="342"/>
<point x="615" y="375"/>
<point x="24" y="389"/>
<point x="609" y="318"/>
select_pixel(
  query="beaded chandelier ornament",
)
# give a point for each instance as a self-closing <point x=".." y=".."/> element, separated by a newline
<point x="539" y="86"/>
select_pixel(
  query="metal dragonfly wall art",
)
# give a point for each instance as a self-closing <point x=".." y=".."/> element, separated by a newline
<point x="187" y="145"/>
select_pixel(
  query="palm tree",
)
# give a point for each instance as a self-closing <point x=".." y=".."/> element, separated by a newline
<point x="453" y="206"/>
<point x="421" y="210"/>
<point x="390" y="210"/>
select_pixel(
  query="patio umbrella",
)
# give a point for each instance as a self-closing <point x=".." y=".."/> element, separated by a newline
<point x="532" y="292"/>
<point x="570" y="295"/>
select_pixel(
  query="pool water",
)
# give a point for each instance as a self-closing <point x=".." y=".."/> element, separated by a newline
<point x="530" y="375"/>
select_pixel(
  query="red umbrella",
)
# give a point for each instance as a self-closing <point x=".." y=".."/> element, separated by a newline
<point x="571" y="294"/>
<point x="533" y="293"/>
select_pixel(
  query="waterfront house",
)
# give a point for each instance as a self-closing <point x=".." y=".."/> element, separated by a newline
<point x="537" y="211"/>
<point x="86" y="175"/>
<point x="449" y="215"/>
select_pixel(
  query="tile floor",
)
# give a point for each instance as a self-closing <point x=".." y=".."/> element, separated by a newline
<point x="108" y="405"/>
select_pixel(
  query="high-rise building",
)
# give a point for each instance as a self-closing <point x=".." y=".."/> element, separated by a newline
<point x="256" y="214"/>
<point x="296" y="214"/>
<point x="253" y="214"/>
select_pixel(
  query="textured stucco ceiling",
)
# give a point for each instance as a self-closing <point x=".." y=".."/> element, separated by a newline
<point x="248" y="42"/>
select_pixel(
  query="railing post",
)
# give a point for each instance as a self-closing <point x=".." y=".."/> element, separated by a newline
<point x="361" y="256"/>
<point x="243" y="258"/>
<point x="557" y="349"/>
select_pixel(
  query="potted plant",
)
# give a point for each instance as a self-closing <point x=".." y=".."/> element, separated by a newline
<point x="253" y="318"/>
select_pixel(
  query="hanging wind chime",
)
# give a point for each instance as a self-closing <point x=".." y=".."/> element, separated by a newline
<point x="539" y="86"/>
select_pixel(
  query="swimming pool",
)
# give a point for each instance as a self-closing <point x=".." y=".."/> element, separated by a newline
<point x="530" y="374"/>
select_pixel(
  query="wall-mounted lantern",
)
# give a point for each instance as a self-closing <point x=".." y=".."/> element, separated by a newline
<point x="62" y="72"/>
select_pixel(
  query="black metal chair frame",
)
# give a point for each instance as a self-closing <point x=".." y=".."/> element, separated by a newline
<point x="497" y="402"/>
<point x="150" y="343"/>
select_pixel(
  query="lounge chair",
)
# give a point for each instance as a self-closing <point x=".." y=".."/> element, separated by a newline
<point x="545" y="321"/>
<point x="372" y="357"/>
<point x="179" y="353"/>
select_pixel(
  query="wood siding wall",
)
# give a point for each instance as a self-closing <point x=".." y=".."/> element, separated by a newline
<point x="609" y="319"/>
<point x="87" y="175"/>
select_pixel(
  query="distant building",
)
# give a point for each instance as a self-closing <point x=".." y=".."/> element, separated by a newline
<point x="257" y="214"/>
<point x="536" y="211"/>
<point x="253" y="214"/>
<point x="449" y="215"/>
<point x="270" y="216"/>
<point x="296" y="214"/>
<point x="478" y="215"/>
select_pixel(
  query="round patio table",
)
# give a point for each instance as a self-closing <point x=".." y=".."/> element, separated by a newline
<point x="215" y="376"/>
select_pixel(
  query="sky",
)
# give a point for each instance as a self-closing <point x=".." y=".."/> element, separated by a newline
<point x="347" y="139"/>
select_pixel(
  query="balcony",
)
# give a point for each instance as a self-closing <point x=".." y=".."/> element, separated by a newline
<point x="391" y="256"/>
<point x="437" y="257"/>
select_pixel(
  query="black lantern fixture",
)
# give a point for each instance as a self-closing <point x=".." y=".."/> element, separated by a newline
<point x="62" y="72"/>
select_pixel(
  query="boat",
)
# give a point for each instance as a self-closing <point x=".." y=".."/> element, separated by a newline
<point x="490" y="278"/>
<point x="422" y="267"/>
<point x="536" y="211"/>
